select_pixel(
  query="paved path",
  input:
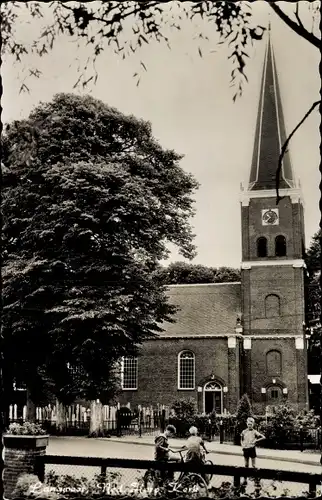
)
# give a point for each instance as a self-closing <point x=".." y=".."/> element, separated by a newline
<point x="142" y="448"/>
<point x="230" y="449"/>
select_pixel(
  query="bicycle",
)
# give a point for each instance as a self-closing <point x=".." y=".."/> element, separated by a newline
<point x="208" y="476"/>
<point x="189" y="484"/>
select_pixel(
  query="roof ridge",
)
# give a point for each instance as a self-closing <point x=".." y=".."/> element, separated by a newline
<point x="205" y="284"/>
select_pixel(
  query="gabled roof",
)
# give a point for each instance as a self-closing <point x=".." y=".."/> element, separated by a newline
<point x="270" y="132"/>
<point x="210" y="309"/>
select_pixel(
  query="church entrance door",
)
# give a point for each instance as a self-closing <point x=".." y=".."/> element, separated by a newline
<point x="213" y="398"/>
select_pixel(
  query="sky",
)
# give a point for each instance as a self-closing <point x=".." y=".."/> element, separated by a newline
<point x="188" y="100"/>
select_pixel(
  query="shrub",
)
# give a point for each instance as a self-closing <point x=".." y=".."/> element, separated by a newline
<point x="306" y="420"/>
<point x="279" y="429"/>
<point x="29" y="486"/>
<point x="26" y="429"/>
<point x="184" y="408"/>
<point x="68" y="486"/>
<point x="244" y="410"/>
<point x="182" y="425"/>
<point x="184" y="415"/>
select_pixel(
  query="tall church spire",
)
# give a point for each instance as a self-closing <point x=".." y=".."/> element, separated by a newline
<point x="270" y="132"/>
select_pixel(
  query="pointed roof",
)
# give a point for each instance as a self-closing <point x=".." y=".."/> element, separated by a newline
<point x="270" y="132"/>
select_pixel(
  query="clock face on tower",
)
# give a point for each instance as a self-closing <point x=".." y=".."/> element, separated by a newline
<point x="270" y="217"/>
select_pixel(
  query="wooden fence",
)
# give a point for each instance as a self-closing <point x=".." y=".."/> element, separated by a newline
<point x="115" y="418"/>
<point x="236" y="473"/>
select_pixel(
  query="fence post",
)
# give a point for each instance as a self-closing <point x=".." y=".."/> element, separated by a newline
<point x="103" y="471"/>
<point x="221" y="432"/>
<point x="40" y="468"/>
<point x="140" y="421"/>
<point x="163" y="420"/>
<point x="301" y="438"/>
<point x="312" y="490"/>
<point x="236" y="481"/>
<point x="209" y="429"/>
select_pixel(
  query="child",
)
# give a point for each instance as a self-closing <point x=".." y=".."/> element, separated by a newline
<point x="161" y="449"/>
<point x="193" y="446"/>
<point x="249" y="438"/>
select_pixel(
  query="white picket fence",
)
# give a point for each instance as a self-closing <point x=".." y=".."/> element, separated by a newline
<point x="78" y="414"/>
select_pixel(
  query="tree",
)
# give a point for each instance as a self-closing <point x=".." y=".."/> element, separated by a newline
<point x="106" y="22"/>
<point x="313" y="301"/>
<point x="126" y="26"/>
<point x="178" y="273"/>
<point x="87" y="215"/>
<point x="244" y="410"/>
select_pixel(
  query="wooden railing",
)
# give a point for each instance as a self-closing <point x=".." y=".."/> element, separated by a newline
<point x="311" y="479"/>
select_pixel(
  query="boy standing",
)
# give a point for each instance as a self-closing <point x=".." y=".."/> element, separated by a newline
<point x="249" y="438"/>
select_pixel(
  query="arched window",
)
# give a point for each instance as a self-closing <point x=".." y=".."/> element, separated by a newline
<point x="213" y="398"/>
<point x="280" y="246"/>
<point x="262" y="247"/>
<point x="186" y="370"/>
<point x="129" y="373"/>
<point x="273" y="363"/>
<point x="272" y="306"/>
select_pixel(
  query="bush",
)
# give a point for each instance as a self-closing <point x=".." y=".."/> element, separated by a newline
<point x="280" y="427"/>
<point x="29" y="486"/>
<point x="244" y="410"/>
<point x="26" y="429"/>
<point x="306" y="421"/>
<point x="184" y="408"/>
<point x="69" y="486"/>
<point x="184" y="415"/>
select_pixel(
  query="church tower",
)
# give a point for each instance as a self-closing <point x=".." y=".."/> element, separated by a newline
<point x="274" y="356"/>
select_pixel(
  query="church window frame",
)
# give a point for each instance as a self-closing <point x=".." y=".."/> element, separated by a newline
<point x="262" y="247"/>
<point x="280" y="246"/>
<point x="270" y="371"/>
<point x="214" y="386"/>
<point x="186" y="370"/>
<point x="129" y="373"/>
<point x="274" y="395"/>
<point x="268" y="310"/>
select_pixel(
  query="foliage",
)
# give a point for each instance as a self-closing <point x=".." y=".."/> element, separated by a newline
<point x="306" y="420"/>
<point x="68" y="485"/>
<point x="280" y="426"/>
<point x="244" y="410"/>
<point x="178" y="273"/>
<point x="313" y="302"/>
<point x="127" y="26"/>
<point x="29" y="486"/>
<point x="184" y="408"/>
<point x="183" y="415"/>
<point x="88" y="213"/>
<point x="26" y="429"/>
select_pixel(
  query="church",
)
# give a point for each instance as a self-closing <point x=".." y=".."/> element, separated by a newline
<point x="246" y="337"/>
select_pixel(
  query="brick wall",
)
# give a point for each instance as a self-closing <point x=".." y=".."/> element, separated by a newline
<point x="158" y="371"/>
<point x="292" y="376"/>
<point x="16" y="462"/>
<point x="290" y="225"/>
<point x="284" y="281"/>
